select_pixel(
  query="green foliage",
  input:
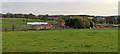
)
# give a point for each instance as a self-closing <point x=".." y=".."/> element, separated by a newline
<point x="60" y="20"/>
<point x="86" y="22"/>
<point x="101" y="21"/>
<point x="118" y="19"/>
<point x="110" y="20"/>
<point x="31" y="16"/>
<point x="78" y="23"/>
<point x="95" y="20"/>
<point x="91" y="24"/>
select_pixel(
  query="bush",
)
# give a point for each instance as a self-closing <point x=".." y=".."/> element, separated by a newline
<point x="78" y="23"/>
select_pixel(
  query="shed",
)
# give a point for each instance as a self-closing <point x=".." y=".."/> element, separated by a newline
<point x="38" y="25"/>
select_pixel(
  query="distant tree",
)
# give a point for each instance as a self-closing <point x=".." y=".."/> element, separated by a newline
<point x="95" y="20"/>
<point x="31" y="16"/>
<point x="45" y="17"/>
<point x="26" y="16"/>
<point x="101" y="21"/>
<point x="8" y="15"/>
<point x="86" y="22"/>
<point x="110" y="20"/>
<point x="107" y="20"/>
<point x="40" y="16"/>
<point x="78" y="23"/>
<point x="60" y="20"/>
<point x="69" y="22"/>
<point x="91" y="24"/>
<point x="118" y="20"/>
<point x="64" y="17"/>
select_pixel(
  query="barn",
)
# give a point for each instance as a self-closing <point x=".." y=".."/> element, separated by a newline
<point x="38" y="25"/>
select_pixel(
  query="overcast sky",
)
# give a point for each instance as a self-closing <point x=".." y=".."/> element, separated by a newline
<point x="59" y="0"/>
<point x="92" y="7"/>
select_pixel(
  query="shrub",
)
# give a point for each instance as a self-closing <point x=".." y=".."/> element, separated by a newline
<point x="78" y="23"/>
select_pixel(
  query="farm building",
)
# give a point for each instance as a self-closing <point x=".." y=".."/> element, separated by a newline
<point x="45" y="25"/>
<point x="38" y="25"/>
<point x="56" y="25"/>
<point x="116" y="26"/>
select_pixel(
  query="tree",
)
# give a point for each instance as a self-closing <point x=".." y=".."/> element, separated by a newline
<point x="8" y="15"/>
<point x="78" y="23"/>
<point x="60" y="20"/>
<point x="118" y="20"/>
<point x="91" y="24"/>
<point x="110" y="20"/>
<point x="40" y="16"/>
<point x="95" y="20"/>
<point x="107" y="20"/>
<point x="26" y="16"/>
<point x="45" y="17"/>
<point x="31" y="16"/>
<point x="86" y="22"/>
<point x="101" y="21"/>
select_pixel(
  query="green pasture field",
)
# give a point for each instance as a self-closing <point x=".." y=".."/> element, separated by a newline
<point x="19" y="24"/>
<point x="90" y="17"/>
<point x="7" y="23"/>
<point x="64" y="40"/>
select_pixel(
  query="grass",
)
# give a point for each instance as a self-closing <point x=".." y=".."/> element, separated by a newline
<point x="65" y="40"/>
<point x="90" y="17"/>
<point x="7" y="23"/>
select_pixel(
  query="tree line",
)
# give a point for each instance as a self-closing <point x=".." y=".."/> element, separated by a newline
<point x="106" y="20"/>
<point x="71" y="21"/>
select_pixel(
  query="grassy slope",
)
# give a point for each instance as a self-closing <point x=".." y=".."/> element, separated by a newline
<point x="90" y="17"/>
<point x="8" y="22"/>
<point x="73" y="40"/>
<point x="18" y="22"/>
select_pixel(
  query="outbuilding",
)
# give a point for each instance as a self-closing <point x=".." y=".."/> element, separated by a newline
<point x="38" y="25"/>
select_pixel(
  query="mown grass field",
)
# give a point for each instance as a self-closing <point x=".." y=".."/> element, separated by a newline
<point x="65" y="40"/>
